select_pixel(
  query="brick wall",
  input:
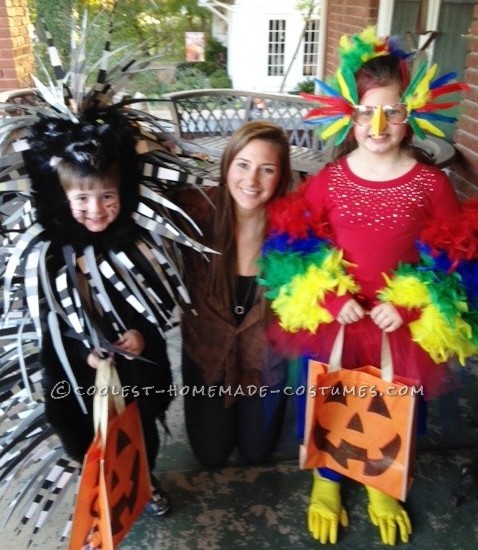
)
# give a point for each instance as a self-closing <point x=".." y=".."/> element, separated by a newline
<point x="346" y="17"/>
<point x="465" y="169"/>
<point x="16" y="57"/>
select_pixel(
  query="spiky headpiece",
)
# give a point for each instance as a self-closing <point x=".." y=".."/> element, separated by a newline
<point x="337" y="104"/>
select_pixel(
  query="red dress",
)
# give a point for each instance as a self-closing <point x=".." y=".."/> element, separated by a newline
<point x="376" y="224"/>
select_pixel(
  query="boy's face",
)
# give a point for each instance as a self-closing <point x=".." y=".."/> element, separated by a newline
<point x="95" y="208"/>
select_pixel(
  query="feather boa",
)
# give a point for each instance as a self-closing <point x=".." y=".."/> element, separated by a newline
<point x="298" y="266"/>
<point x="444" y="285"/>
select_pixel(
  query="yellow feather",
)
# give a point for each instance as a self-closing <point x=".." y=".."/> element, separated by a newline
<point x="406" y="291"/>
<point x="333" y="260"/>
<point x="298" y="304"/>
<point x="415" y="102"/>
<point x="346" y="283"/>
<point x="427" y="126"/>
<point x="344" y="89"/>
<point x="441" y="339"/>
<point x="344" y="43"/>
<point x="423" y="87"/>
<point x="335" y="127"/>
<point x="369" y="35"/>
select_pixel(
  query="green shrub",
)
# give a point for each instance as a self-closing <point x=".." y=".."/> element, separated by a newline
<point x="189" y="79"/>
<point x="220" y="79"/>
<point x="206" y="67"/>
<point x="307" y="86"/>
<point x="216" y="52"/>
<point x="149" y="84"/>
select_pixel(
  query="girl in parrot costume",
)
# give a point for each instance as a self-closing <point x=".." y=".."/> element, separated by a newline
<point x="376" y="242"/>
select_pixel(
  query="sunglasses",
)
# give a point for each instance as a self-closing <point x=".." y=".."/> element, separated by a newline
<point x="394" y="114"/>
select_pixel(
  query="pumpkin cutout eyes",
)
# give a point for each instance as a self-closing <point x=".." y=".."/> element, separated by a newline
<point x="124" y="489"/>
<point x="378" y="406"/>
<point x="359" y="429"/>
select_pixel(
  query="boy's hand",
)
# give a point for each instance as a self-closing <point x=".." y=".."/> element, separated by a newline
<point x="351" y="312"/>
<point x="386" y="317"/>
<point x="95" y="357"/>
<point x="132" y="342"/>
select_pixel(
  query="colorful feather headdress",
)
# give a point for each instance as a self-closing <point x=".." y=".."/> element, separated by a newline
<point x="146" y="273"/>
<point x="336" y="105"/>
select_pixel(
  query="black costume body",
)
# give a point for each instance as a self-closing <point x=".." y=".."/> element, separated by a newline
<point x="148" y="381"/>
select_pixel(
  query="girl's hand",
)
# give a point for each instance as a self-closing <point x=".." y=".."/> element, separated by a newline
<point x="386" y="317"/>
<point x="351" y="312"/>
<point x="132" y="342"/>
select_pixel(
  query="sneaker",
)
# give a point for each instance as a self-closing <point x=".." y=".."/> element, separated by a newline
<point x="160" y="504"/>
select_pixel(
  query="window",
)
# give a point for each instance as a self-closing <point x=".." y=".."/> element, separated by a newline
<point x="449" y="48"/>
<point x="275" y="61"/>
<point x="311" y="48"/>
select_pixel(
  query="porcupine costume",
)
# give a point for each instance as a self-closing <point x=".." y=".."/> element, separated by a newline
<point x="68" y="291"/>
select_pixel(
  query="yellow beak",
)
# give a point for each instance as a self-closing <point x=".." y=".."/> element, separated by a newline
<point x="379" y="122"/>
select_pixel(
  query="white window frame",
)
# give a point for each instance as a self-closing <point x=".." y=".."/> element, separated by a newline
<point x="276" y="47"/>
<point x="310" y="58"/>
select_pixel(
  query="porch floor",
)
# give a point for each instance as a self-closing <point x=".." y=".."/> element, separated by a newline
<point x="258" y="507"/>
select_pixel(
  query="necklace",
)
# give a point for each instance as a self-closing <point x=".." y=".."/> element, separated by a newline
<point x="243" y="302"/>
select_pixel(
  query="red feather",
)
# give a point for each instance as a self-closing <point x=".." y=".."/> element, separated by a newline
<point x="325" y="99"/>
<point x="292" y="344"/>
<point x="457" y="236"/>
<point x="327" y="111"/>
<point x="448" y="89"/>
<point x="436" y="106"/>
<point x="290" y="214"/>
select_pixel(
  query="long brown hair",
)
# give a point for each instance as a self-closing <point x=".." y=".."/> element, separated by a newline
<point x="223" y="268"/>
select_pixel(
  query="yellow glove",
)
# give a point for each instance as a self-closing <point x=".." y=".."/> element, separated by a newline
<point x="325" y="510"/>
<point x="386" y="513"/>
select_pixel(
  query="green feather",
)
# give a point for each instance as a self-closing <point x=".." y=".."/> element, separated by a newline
<point x="277" y="269"/>
<point x="349" y="78"/>
<point x="414" y="82"/>
<point x="416" y="129"/>
<point x="340" y="138"/>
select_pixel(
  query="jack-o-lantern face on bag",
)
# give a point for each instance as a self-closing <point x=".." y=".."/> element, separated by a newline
<point x="123" y="487"/>
<point x="367" y="436"/>
<point x="367" y="431"/>
<point x="115" y="484"/>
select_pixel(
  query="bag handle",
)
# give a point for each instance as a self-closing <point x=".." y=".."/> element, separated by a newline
<point x="108" y="395"/>
<point x="386" y="363"/>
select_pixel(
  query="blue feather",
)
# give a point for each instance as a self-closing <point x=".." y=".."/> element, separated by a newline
<point x="434" y="116"/>
<point x="326" y="88"/>
<point x="444" y="79"/>
<point x="282" y="242"/>
<point x="434" y="262"/>
<point x="396" y="47"/>
<point x="323" y="120"/>
<point x="468" y="272"/>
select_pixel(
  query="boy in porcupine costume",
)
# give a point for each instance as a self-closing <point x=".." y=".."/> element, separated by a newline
<point x="85" y="181"/>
